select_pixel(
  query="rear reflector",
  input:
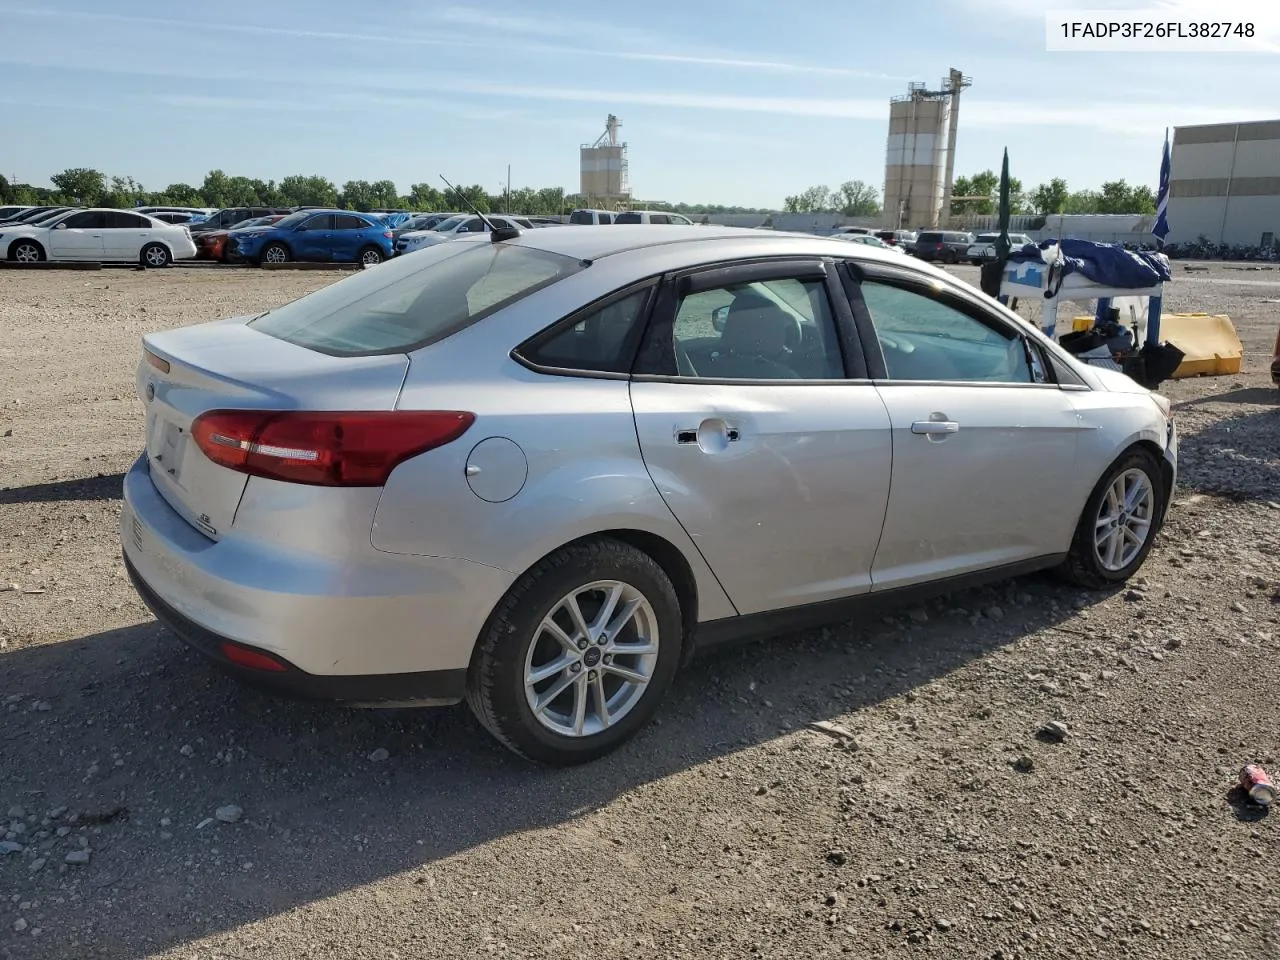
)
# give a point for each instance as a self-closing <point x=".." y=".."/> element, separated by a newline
<point x="159" y="363"/>
<point x="252" y="659"/>
<point x="330" y="449"/>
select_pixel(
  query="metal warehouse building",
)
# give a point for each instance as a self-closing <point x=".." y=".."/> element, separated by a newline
<point x="1225" y="183"/>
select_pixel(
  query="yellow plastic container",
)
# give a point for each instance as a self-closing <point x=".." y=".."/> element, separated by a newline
<point x="1209" y="340"/>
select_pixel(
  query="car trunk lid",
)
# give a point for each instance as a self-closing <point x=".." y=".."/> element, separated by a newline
<point x="227" y="365"/>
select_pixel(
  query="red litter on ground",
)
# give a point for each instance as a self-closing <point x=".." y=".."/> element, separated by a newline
<point x="1257" y="785"/>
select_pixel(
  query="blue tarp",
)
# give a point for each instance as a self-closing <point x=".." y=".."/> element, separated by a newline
<point x="1106" y="264"/>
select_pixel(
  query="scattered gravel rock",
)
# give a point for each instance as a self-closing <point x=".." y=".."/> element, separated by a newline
<point x="9" y="846"/>
<point x="78" y="857"/>
<point x="1024" y="764"/>
<point x="379" y="755"/>
<point x="229" y="813"/>
<point x="1055" y="731"/>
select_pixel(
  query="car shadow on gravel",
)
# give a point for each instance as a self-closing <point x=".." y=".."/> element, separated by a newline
<point x="1256" y="395"/>
<point x="106" y="486"/>
<point x="130" y="718"/>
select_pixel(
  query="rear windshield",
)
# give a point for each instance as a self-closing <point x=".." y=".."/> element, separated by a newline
<point x="414" y="300"/>
<point x="930" y="237"/>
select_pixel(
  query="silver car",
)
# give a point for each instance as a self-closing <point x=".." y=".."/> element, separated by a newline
<point x="540" y="473"/>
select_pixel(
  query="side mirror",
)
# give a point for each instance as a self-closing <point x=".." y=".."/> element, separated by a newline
<point x="61" y="226"/>
<point x="719" y="316"/>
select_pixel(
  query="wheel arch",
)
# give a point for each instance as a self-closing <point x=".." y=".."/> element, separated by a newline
<point x="31" y="240"/>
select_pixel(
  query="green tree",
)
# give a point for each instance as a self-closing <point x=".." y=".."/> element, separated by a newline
<point x="813" y="200"/>
<point x="977" y="194"/>
<point x="425" y="198"/>
<point x="356" y="195"/>
<point x="475" y="193"/>
<point x="312" y="191"/>
<point x="82" y="184"/>
<point x="857" y="199"/>
<point x="1083" y="201"/>
<point x="5" y="190"/>
<point x="1142" y="200"/>
<point x="1050" y="197"/>
<point x="125" y="192"/>
<point x="551" y="201"/>
<point x="180" y="195"/>
<point x="385" y="194"/>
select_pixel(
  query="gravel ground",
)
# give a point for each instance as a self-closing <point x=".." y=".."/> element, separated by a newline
<point x="151" y="808"/>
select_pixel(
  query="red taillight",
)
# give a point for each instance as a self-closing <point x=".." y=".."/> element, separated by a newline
<point x="330" y="449"/>
<point x="244" y="657"/>
<point x="160" y="363"/>
<point x="387" y="234"/>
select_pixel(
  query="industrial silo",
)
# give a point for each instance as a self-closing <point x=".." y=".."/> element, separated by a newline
<point x="603" y="172"/>
<point x="921" y="154"/>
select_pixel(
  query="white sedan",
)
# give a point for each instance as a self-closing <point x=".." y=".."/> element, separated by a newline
<point x="460" y="226"/>
<point x="101" y="235"/>
<point x="869" y="241"/>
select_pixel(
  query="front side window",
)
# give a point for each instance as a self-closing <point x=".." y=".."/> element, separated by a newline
<point x="758" y="330"/>
<point x="924" y="338"/>
<point x="412" y="301"/>
<point x="89" y="220"/>
<point x="659" y="218"/>
<point x="322" y="222"/>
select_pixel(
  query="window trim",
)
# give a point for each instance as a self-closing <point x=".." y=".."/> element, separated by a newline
<point x="855" y="273"/>
<point x="693" y="280"/>
<point x="632" y="341"/>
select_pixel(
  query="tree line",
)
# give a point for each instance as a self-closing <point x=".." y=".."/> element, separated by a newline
<point x="978" y="194"/>
<point x="84" y="186"/>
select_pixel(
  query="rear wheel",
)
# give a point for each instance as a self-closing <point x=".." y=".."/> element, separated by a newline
<point x="576" y="657"/>
<point x="275" y="253"/>
<point x="1119" y="523"/>
<point x="976" y="263"/>
<point x="371" y="256"/>
<point x="155" y="255"/>
<point x="26" y="251"/>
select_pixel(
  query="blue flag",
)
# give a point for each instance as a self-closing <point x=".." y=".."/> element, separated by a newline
<point x="1161" y="229"/>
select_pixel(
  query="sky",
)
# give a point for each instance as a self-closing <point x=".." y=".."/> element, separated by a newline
<point x="737" y="102"/>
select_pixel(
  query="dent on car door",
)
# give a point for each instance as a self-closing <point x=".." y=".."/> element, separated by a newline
<point x="771" y="453"/>
<point x="984" y="448"/>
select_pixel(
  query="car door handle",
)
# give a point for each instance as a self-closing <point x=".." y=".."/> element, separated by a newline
<point x="934" y="428"/>
<point x="732" y="434"/>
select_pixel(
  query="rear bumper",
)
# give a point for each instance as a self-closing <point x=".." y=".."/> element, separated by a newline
<point x="429" y="688"/>
<point x="351" y="624"/>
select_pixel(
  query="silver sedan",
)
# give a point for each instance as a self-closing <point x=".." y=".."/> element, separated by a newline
<point x="539" y="473"/>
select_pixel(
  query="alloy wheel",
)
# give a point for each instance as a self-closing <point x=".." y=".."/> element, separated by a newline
<point x="591" y="659"/>
<point x="27" y="253"/>
<point x="1125" y="520"/>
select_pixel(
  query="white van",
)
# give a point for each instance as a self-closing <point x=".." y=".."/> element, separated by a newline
<point x="651" y="216"/>
<point x="591" y="218"/>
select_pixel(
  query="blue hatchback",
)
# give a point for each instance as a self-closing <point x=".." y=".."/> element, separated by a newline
<point x="338" y="236"/>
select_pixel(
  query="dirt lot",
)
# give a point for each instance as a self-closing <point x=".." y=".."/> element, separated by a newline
<point x="729" y="828"/>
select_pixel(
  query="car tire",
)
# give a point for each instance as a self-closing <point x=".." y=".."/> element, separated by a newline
<point x="976" y="263"/>
<point x="1101" y="553"/>
<point x="26" y="251"/>
<point x="275" y="253"/>
<point x="503" y="686"/>
<point x="155" y="255"/>
<point x="370" y="256"/>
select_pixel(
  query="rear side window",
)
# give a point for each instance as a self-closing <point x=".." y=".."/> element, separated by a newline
<point x="580" y="217"/>
<point x="603" y="340"/>
<point x="627" y="218"/>
<point x="413" y="301"/>
<point x="605" y="218"/>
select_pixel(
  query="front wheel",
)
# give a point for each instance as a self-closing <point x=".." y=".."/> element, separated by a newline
<point x="577" y="655"/>
<point x="1119" y="523"/>
<point x="371" y="256"/>
<point x="275" y="253"/>
<point x="26" y="251"/>
<point x="155" y="255"/>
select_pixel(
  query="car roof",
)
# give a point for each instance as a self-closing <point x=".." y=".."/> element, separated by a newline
<point x="594" y="243"/>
